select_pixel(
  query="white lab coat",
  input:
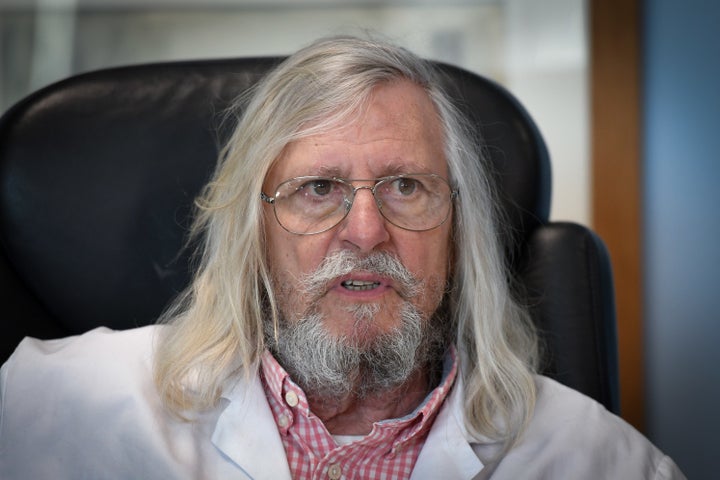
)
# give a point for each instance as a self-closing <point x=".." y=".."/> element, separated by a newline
<point x="86" y="408"/>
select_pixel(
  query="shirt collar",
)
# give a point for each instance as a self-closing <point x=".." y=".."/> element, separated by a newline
<point x="279" y="385"/>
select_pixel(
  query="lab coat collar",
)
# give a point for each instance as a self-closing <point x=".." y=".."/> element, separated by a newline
<point x="448" y="451"/>
<point x="246" y="432"/>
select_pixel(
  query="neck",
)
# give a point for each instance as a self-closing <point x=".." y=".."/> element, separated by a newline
<point x="355" y="415"/>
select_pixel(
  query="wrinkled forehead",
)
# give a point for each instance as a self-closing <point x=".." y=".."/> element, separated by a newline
<point x="396" y="129"/>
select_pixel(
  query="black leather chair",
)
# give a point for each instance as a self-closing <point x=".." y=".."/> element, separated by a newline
<point x="98" y="174"/>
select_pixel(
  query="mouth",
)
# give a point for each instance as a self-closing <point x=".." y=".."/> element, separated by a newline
<point x="359" y="285"/>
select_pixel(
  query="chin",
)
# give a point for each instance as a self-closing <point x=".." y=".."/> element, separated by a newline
<point x="358" y="328"/>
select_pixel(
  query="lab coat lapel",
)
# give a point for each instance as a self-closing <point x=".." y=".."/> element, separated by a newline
<point x="447" y="452"/>
<point x="246" y="433"/>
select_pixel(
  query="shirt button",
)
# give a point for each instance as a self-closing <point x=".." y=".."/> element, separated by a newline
<point x="291" y="398"/>
<point x="283" y="421"/>
<point x="334" y="472"/>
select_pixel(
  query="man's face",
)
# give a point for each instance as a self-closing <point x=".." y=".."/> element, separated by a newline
<point x="398" y="133"/>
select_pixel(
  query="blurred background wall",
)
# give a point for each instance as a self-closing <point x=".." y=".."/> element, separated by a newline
<point x="682" y="227"/>
<point x="536" y="48"/>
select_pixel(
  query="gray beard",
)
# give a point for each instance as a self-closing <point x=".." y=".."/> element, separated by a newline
<point x="332" y="367"/>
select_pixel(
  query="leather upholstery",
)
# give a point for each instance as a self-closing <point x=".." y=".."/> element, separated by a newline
<point x="98" y="173"/>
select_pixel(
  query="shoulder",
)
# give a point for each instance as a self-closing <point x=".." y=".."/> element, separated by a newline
<point x="98" y="357"/>
<point x="94" y="365"/>
<point x="557" y="403"/>
<point x="563" y="412"/>
<point x="61" y="397"/>
<point x="100" y="343"/>
<point x="571" y="436"/>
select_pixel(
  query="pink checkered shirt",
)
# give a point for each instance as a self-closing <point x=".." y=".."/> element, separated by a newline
<point x="388" y="452"/>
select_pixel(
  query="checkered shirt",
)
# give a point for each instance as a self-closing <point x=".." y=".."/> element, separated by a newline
<point x="388" y="452"/>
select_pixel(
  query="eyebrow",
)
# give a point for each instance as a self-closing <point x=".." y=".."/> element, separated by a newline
<point x="327" y="171"/>
<point x="388" y="170"/>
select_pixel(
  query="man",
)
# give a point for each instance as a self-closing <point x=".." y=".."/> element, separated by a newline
<point x="350" y="317"/>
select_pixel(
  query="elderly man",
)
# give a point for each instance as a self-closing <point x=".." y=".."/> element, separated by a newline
<point x="350" y="317"/>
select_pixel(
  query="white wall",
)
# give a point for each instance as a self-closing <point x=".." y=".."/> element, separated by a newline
<point x="546" y="66"/>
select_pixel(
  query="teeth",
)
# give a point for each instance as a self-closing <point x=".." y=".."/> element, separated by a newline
<point x="358" y="285"/>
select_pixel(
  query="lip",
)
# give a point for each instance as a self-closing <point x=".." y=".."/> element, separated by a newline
<point x="383" y="285"/>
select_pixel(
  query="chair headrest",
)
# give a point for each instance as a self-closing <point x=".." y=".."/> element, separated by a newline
<point x="98" y="173"/>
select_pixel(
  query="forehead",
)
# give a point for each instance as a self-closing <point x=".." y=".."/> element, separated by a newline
<point x="397" y="131"/>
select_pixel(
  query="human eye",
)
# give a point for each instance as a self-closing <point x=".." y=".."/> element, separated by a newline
<point x="317" y="187"/>
<point x="316" y="192"/>
<point x="404" y="188"/>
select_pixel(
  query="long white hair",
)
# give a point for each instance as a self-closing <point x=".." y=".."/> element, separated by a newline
<point x="216" y="326"/>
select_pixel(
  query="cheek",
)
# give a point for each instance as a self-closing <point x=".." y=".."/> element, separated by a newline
<point x="428" y="260"/>
<point x="431" y="253"/>
<point x="282" y="248"/>
<point x="289" y="258"/>
<point x="435" y="287"/>
<point x="285" y="273"/>
<point x="299" y="257"/>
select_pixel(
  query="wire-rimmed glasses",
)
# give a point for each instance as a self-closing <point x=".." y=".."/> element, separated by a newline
<point x="310" y="205"/>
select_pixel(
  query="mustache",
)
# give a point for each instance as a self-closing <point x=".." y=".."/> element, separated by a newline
<point x="343" y="262"/>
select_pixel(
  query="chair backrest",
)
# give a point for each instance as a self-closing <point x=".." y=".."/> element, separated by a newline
<point x="98" y="174"/>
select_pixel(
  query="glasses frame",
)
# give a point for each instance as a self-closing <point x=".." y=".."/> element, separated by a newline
<point x="349" y="201"/>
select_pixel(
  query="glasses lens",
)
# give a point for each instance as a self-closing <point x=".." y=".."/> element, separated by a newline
<point x="415" y="202"/>
<point x="308" y="205"/>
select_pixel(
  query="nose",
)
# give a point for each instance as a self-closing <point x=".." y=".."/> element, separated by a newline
<point x="364" y="227"/>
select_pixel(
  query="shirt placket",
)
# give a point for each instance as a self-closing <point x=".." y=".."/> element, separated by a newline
<point x="344" y="462"/>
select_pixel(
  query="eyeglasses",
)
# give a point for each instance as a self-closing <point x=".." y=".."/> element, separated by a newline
<point x="310" y="205"/>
